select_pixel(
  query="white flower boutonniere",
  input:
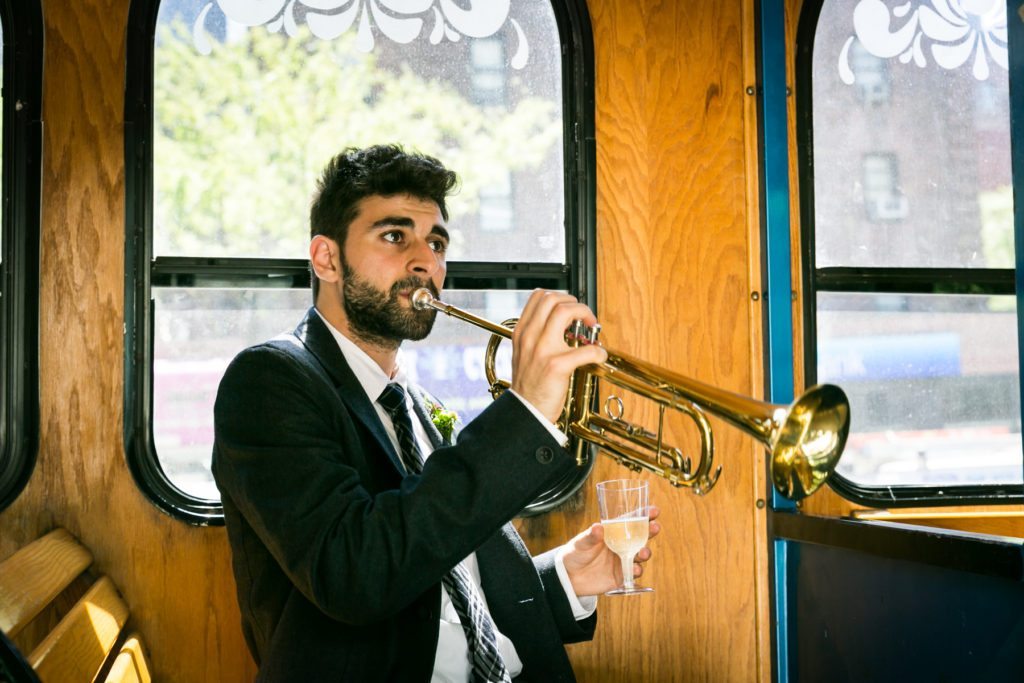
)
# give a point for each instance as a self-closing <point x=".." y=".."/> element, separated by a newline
<point x="443" y="419"/>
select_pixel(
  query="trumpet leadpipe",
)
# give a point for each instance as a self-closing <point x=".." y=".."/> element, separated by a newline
<point x="423" y="299"/>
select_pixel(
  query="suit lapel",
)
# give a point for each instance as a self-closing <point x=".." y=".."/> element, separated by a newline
<point x="419" y="405"/>
<point x="315" y="336"/>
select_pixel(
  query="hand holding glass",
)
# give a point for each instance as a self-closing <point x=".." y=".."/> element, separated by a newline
<point x="624" y="516"/>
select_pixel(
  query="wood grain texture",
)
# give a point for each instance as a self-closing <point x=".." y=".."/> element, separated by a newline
<point x="131" y="664"/>
<point x="35" y="575"/>
<point x="175" y="578"/>
<point x="1004" y="520"/>
<point x="78" y="647"/>
<point x="674" y="282"/>
<point x="760" y="480"/>
<point x="674" y="267"/>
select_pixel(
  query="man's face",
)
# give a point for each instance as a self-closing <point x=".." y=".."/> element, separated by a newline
<point x="394" y="246"/>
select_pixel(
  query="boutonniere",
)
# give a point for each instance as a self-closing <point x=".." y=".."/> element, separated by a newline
<point x="443" y="419"/>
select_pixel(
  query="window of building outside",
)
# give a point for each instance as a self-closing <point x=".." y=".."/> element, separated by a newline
<point x="20" y="133"/>
<point x="909" y="241"/>
<point x="248" y="101"/>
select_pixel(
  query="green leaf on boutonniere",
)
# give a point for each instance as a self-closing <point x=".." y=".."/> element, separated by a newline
<point x="443" y="419"/>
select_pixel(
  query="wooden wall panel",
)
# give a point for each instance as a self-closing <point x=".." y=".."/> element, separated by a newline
<point x="674" y="288"/>
<point x="677" y="256"/>
<point x="175" y="578"/>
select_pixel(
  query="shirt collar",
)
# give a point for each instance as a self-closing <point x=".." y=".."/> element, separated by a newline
<point x="370" y="375"/>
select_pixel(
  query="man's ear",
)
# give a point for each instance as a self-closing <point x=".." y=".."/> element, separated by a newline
<point x="324" y="256"/>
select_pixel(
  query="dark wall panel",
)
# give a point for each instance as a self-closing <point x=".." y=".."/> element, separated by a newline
<point x="858" y="617"/>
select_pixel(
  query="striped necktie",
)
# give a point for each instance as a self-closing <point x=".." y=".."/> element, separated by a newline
<point x="488" y="666"/>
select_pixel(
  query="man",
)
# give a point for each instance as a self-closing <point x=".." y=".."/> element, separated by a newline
<point x="354" y="559"/>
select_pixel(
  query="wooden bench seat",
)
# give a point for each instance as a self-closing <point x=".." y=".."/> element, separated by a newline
<point x="88" y="643"/>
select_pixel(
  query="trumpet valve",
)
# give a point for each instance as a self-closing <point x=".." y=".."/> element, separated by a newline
<point x="577" y="333"/>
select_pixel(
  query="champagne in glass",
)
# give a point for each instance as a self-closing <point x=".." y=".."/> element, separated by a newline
<point x="624" y="516"/>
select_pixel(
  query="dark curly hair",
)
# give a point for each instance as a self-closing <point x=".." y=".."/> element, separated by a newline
<point x="385" y="170"/>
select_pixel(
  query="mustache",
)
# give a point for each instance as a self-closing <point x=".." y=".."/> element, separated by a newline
<point x="413" y="282"/>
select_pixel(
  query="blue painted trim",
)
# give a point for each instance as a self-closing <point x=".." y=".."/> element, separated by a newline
<point x="778" y="310"/>
<point x="775" y="158"/>
<point x="1015" y="26"/>
<point x="780" y="560"/>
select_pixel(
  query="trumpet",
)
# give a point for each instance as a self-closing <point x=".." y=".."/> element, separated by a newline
<point x="804" y="440"/>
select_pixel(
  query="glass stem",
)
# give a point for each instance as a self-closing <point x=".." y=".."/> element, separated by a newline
<point x="627" y="571"/>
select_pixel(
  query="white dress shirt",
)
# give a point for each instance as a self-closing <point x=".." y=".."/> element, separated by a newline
<point x="451" y="664"/>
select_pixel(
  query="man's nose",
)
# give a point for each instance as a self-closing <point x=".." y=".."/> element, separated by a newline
<point x="423" y="260"/>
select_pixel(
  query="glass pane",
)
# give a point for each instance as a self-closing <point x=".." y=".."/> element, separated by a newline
<point x="933" y="386"/>
<point x="252" y="99"/>
<point x="198" y="332"/>
<point x="912" y="135"/>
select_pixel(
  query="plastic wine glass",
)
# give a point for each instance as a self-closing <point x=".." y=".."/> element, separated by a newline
<point x="624" y="516"/>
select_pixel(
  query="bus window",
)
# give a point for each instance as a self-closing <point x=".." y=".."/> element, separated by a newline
<point x="244" y="103"/>
<point x="909" y="244"/>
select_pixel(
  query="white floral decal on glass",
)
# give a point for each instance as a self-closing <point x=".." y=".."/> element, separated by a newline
<point x="399" y="20"/>
<point x="955" y="30"/>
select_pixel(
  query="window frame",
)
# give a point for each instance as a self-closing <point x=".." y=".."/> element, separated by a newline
<point x="910" y="280"/>
<point x="19" y="269"/>
<point x="143" y="272"/>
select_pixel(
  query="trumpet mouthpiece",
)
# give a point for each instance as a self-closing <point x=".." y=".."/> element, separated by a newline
<point x="421" y="299"/>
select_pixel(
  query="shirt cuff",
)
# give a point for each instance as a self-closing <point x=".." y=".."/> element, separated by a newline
<point x="582" y="606"/>
<point x="556" y="433"/>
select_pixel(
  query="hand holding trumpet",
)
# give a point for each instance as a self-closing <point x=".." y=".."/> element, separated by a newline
<point x="542" y="363"/>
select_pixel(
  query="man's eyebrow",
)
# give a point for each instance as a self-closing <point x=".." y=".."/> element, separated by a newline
<point x="394" y="222"/>
<point x="440" y="230"/>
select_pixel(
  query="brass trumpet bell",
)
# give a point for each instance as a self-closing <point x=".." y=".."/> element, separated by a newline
<point x="809" y="441"/>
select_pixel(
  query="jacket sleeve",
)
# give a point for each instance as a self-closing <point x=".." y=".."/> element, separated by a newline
<point x="571" y="629"/>
<point x="289" y="455"/>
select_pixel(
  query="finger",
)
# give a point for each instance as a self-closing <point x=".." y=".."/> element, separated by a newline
<point x="592" y="536"/>
<point x="531" y="304"/>
<point x="653" y="529"/>
<point x="543" y="305"/>
<point x="538" y="310"/>
<point x="564" y="312"/>
<point x="531" y="320"/>
<point x="532" y="334"/>
<point x="564" y="363"/>
<point x="643" y="555"/>
<point x="537" y="300"/>
<point x="543" y="324"/>
<point x="653" y="511"/>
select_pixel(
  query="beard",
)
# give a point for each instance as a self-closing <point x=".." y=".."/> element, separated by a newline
<point x="378" y="317"/>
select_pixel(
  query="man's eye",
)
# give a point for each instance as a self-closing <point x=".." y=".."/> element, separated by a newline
<point x="439" y="246"/>
<point x="393" y="236"/>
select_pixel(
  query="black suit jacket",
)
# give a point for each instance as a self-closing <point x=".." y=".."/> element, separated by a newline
<point x="338" y="558"/>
